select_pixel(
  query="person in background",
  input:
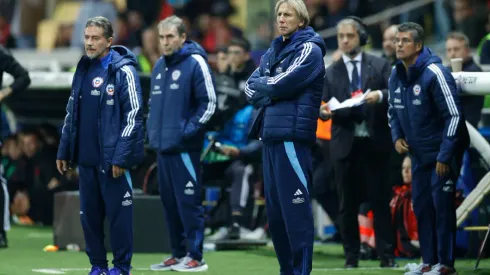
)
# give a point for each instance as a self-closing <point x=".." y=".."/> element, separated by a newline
<point x="21" y="81"/>
<point x="360" y="145"/>
<point x="149" y="51"/>
<point x="389" y="51"/>
<point x="182" y="102"/>
<point x="458" y="46"/>
<point x="426" y="121"/>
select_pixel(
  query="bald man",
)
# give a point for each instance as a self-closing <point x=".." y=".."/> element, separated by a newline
<point x="388" y="46"/>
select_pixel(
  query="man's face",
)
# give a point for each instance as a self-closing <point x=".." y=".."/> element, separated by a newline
<point x="170" y="40"/>
<point x="388" y="37"/>
<point x="237" y="56"/>
<point x="95" y="42"/>
<point x="288" y="21"/>
<point x="30" y="145"/>
<point x="222" y="61"/>
<point x="456" y="49"/>
<point x="407" y="170"/>
<point x="406" y="48"/>
<point x="347" y="38"/>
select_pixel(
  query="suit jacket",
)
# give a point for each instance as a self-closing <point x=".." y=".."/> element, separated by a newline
<point x="375" y="73"/>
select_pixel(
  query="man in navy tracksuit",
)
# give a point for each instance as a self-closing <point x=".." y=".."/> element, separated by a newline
<point x="287" y="87"/>
<point x="103" y="134"/>
<point x="427" y="123"/>
<point x="182" y="102"/>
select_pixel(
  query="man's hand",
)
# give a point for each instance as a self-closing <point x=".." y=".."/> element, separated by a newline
<point x="117" y="171"/>
<point x="372" y="97"/>
<point x="4" y="93"/>
<point x="53" y="184"/>
<point x="442" y="169"/>
<point x="230" y="151"/>
<point x="401" y="146"/>
<point x="325" y="113"/>
<point x="62" y="166"/>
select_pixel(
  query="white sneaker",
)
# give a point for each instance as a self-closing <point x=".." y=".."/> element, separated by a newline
<point x="419" y="269"/>
<point x="218" y="235"/>
<point x="257" y="234"/>
<point x="166" y="264"/>
<point x="440" y="269"/>
<point x="190" y="265"/>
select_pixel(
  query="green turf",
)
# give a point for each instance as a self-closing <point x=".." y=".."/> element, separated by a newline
<point x="26" y="253"/>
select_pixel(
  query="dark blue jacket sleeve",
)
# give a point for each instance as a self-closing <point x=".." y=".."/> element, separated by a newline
<point x="307" y="66"/>
<point x="257" y="99"/>
<point x="393" y="122"/>
<point x="64" y="147"/>
<point x="204" y="93"/>
<point x="446" y="98"/>
<point x="131" y="101"/>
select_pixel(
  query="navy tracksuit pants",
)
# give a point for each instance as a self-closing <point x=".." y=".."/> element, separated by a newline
<point x="287" y="182"/>
<point x="102" y="196"/>
<point x="435" y="210"/>
<point x="179" y="178"/>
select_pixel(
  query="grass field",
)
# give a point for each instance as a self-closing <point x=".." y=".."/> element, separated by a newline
<point x="26" y="256"/>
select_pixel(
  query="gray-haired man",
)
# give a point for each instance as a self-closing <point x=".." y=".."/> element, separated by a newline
<point x="103" y="135"/>
<point x="182" y="102"/>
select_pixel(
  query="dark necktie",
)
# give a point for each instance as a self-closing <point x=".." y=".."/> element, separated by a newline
<point x="354" y="84"/>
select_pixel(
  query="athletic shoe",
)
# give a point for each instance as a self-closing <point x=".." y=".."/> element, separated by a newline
<point x="440" y="269"/>
<point x="190" y="265"/>
<point x="420" y="269"/>
<point x="98" y="271"/>
<point x="166" y="264"/>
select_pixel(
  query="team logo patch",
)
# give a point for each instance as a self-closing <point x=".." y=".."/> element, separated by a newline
<point x="110" y="89"/>
<point x="175" y="75"/>
<point x="416" y="89"/>
<point x="97" y="82"/>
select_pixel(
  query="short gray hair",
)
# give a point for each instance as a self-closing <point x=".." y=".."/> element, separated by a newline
<point x="460" y="37"/>
<point x="103" y="23"/>
<point x="173" y="21"/>
<point x="300" y="8"/>
<point x="351" y="22"/>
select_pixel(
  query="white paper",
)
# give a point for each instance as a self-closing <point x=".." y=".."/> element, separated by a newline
<point x="333" y="104"/>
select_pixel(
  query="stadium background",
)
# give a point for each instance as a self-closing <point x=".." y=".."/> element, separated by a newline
<point x="45" y="36"/>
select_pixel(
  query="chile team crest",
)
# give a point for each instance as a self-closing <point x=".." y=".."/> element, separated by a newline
<point x="110" y="89"/>
<point x="97" y="82"/>
<point x="416" y="89"/>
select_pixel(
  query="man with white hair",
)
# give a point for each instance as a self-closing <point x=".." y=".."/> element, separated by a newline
<point x="287" y="89"/>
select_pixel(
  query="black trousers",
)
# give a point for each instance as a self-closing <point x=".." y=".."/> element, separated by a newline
<point x="362" y="177"/>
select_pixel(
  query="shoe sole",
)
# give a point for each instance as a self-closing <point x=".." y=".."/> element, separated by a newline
<point x="196" y="269"/>
<point x="155" y="268"/>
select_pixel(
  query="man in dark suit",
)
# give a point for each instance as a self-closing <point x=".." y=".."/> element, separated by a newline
<point x="360" y="145"/>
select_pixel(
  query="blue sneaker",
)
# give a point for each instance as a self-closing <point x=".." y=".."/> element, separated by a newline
<point x="115" y="271"/>
<point x="98" y="271"/>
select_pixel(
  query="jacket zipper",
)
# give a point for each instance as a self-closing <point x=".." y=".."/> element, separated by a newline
<point x="163" y="78"/>
<point x="101" y="146"/>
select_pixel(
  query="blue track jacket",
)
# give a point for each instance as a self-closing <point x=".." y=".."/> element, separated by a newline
<point x="424" y="108"/>
<point x="182" y="100"/>
<point x="120" y="123"/>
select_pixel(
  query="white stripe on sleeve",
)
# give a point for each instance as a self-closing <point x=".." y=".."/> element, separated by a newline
<point x="297" y="62"/>
<point x="134" y="102"/>
<point x="209" y="89"/>
<point x="453" y="110"/>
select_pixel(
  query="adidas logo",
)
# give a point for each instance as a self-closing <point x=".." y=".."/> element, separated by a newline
<point x="127" y="195"/>
<point x="159" y="76"/>
<point x="298" y="192"/>
<point x="189" y="185"/>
